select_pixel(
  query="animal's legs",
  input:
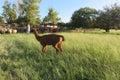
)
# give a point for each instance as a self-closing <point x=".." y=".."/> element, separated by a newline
<point x="60" y="47"/>
<point x="56" y="47"/>
<point x="44" y="48"/>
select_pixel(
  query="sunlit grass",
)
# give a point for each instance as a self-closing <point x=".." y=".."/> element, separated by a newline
<point x="86" y="56"/>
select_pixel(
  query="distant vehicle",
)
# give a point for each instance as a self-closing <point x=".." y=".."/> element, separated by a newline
<point x="55" y="29"/>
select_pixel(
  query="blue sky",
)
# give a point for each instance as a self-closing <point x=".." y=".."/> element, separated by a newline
<point x="66" y="8"/>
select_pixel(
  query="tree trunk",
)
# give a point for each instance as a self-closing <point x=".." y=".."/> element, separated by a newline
<point x="107" y="30"/>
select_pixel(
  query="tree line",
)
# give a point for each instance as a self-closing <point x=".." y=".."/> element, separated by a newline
<point x="27" y="12"/>
<point x="23" y="13"/>
<point x="108" y="18"/>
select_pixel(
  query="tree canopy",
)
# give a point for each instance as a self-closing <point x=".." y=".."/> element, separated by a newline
<point x="84" y="17"/>
<point x="52" y="17"/>
<point x="1" y="20"/>
<point x="9" y="13"/>
<point x="109" y="18"/>
<point x="31" y="10"/>
<point x="27" y="11"/>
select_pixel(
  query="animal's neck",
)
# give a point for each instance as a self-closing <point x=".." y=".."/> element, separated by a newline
<point x="36" y="34"/>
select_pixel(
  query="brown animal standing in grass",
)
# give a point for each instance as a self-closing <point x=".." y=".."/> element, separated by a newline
<point x="51" y="39"/>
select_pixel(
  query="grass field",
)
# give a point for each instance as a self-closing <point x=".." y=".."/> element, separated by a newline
<point x="86" y="56"/>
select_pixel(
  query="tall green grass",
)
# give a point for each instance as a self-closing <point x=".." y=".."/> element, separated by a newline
<point x="85" y="57"/>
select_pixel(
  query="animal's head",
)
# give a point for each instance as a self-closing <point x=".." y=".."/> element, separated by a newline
<point x="34" y="29"/>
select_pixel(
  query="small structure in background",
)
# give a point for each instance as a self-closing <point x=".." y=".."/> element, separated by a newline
<point x="49" y="27"/>
<point x="28" y="28"/>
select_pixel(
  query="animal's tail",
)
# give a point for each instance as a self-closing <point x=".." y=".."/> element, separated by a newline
<point x="63" y="39"/>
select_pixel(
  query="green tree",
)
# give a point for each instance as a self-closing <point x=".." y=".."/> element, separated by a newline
<point x="109" y="18"/>
<point x="115" y="10"/>
<point x="20" y="9"/>
<point x="31" y="10"/>
<point x="52" y="17"/>
<point x="61" y="24"/>
<point x="28" y="12"/>
<point x="38" y="21"/>
<point x="84" y="17"/>
<point x="9" y="12"/>
<point x="1" y="20"/>
<point x="104" y="21"/>
<point x="21" y="21"/>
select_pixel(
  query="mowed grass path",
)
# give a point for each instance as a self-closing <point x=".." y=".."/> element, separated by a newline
<point x="86" y="57"/>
